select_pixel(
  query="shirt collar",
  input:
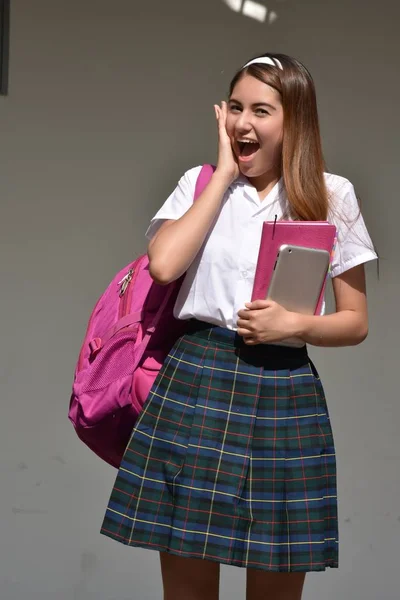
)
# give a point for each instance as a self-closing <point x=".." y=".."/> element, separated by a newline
<point x="251" y="193"/>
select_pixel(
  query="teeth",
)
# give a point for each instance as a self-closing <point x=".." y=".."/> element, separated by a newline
<point x="247" y="142"/>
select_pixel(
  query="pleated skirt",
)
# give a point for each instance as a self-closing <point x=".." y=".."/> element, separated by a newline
<point x="232" y="459"/>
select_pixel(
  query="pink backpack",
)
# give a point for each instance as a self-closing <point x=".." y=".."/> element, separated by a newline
<point x="130" y="332"/>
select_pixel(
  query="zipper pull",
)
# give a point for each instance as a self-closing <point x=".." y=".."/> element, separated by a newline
<point x="125" y="281"/>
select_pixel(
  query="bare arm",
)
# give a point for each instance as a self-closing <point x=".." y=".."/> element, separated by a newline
<point x="264" y="321"/>
<point x="348" y="326"/>
<point x="176" y="244"/>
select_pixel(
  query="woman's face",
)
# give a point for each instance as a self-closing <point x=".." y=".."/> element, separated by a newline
<point x="255" y="127"/>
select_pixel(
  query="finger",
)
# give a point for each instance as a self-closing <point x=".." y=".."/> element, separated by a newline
<point x="258" y="304"/>
<point x="243" y="332"/>
<point x="221" y="123"/>
<point x="244" y="314"/>
<point x="243" y="326"/>
<point x="223" y="108"/>
<point x="225" y="112"/>
<point x="222" y="118"/>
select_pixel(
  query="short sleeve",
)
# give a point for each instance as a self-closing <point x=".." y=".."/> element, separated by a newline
<point x="354" y="245"/>
<point x="177" y="203"/>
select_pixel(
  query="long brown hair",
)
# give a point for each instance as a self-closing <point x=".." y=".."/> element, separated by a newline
<point x="303" y="163"/>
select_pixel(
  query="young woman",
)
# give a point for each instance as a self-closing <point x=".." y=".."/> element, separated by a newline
<point x="232" y="460"/>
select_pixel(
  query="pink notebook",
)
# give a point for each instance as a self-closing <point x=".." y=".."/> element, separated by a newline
<point x="311" y="234"/>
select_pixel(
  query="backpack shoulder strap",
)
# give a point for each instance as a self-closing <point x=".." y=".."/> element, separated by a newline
<point x="203" y="179"/>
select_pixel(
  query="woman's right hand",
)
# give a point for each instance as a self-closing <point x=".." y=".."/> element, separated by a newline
<point x="227" y="165"/>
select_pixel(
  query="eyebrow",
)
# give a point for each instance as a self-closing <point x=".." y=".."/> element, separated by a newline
<point x="255" y="105"/>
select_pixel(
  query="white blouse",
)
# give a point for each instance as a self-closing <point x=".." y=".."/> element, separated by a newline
<point x="220" y="279"/>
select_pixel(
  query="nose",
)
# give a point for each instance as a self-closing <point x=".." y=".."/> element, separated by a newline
<point x="243" y="122"/>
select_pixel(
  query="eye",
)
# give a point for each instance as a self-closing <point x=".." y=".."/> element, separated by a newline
<point x="235" y="108"/>
<point x="261" y="112"/>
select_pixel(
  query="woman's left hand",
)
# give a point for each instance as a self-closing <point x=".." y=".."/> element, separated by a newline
<point x="264" y="321"/>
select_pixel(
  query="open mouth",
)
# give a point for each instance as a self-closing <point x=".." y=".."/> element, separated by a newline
<point x="247" y="149"/>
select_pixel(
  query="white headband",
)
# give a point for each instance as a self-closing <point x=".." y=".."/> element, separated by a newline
<point x="265" y="60"/>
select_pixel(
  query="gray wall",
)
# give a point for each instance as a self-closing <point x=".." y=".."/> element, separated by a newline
<point x="109" y="103"/>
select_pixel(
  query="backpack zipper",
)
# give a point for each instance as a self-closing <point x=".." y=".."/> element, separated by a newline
<point x="125" y="281"/>
<point x="125" y="292"/>
<point x="127" y="284"/>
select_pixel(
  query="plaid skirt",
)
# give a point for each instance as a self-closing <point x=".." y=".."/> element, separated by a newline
<point x="232" y="459"/>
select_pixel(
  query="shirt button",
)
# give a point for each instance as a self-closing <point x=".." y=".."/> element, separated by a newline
<point x="244" y="274"/>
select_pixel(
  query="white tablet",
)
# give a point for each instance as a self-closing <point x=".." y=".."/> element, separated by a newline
<point x="297" y="280"/>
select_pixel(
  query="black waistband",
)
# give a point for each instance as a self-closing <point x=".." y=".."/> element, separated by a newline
<point x="275" y="356"/>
